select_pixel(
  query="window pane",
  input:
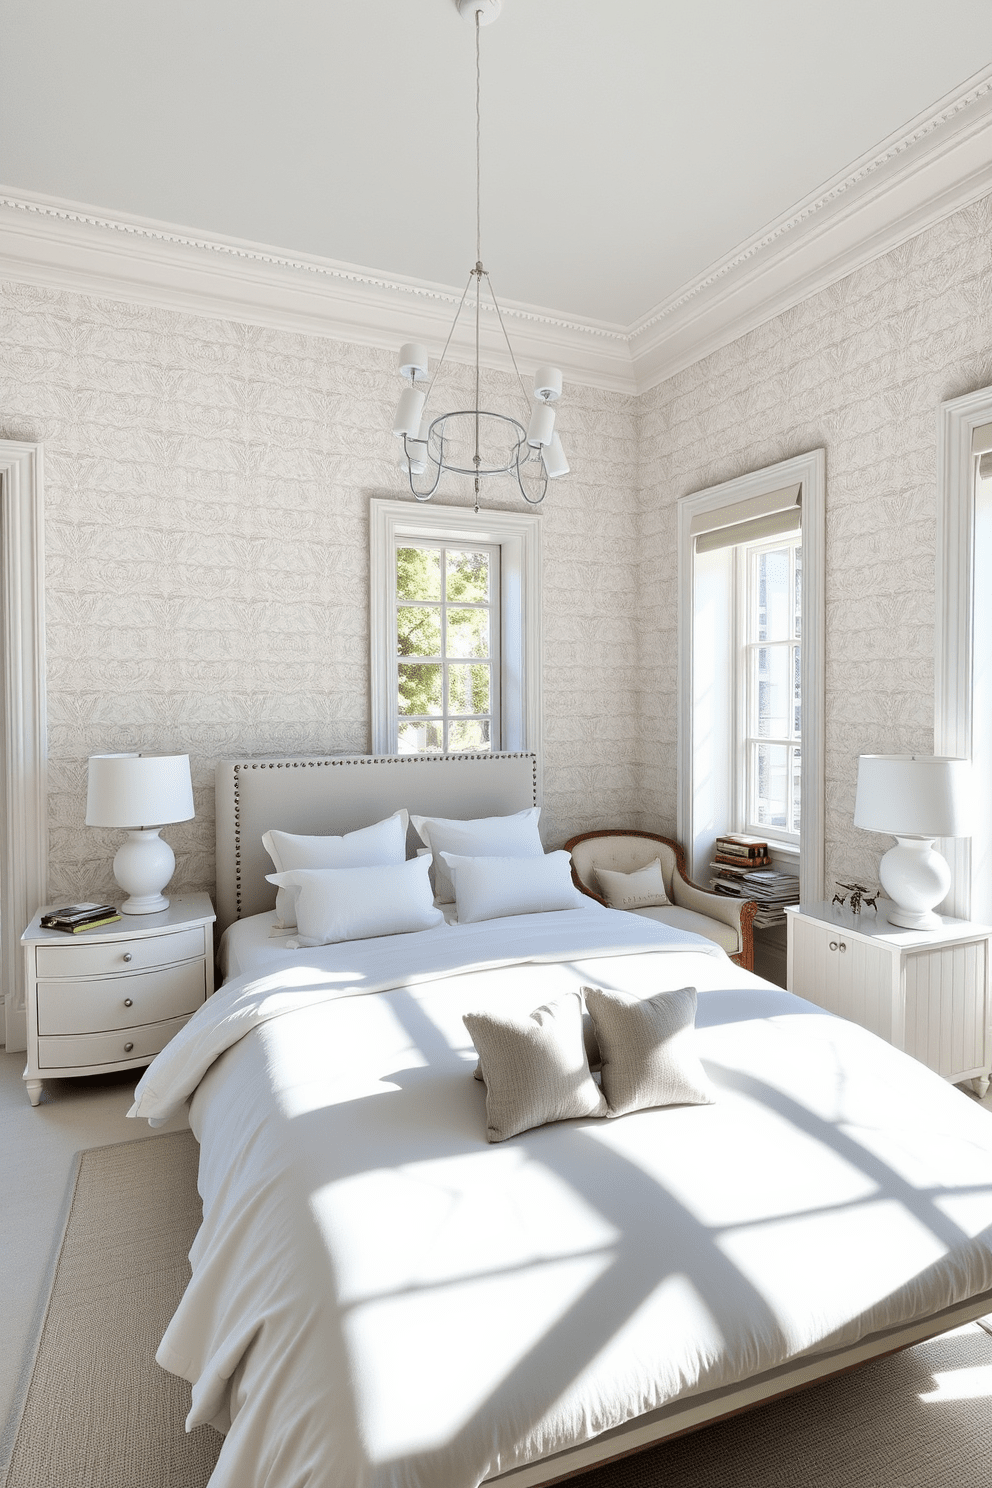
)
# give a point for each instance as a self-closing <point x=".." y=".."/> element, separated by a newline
<point x="468" y="632"/>
<point x="797" y="760"/>
<point x="774" y="598"/>
<point x="469" y="733"/>
<point x="468" y="577"/>
<point x="418" y="631"/>
<point x="420" y="738"/>
<point x="772" y="692"/>
<point x="418" y="573"/>
<point x="772" y="805"/>
<point x="468" y="689"/>
<point x="420" y="688"/>
<point x="799" y="592"/>
<point x="797" y="696"/>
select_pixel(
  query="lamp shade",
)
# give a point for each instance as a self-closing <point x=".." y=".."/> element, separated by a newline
<point x="138" y="790"/>
<point x="913" y="795"/>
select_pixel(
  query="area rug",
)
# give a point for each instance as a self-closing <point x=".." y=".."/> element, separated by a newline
<point x="99" y="1413"/>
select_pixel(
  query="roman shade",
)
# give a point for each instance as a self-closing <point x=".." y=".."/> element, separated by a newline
<point x="770" y="515"/>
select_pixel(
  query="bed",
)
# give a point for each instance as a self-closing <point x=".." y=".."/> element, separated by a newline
<point x="381" y="1297"/>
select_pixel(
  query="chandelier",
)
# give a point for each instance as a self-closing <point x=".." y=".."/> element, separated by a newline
<point x="474" y="441"/>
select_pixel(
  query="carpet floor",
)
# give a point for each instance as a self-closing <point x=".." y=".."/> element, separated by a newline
<point x="99" y="1413"/>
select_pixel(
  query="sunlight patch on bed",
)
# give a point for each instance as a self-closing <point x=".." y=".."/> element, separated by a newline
<point x="419" y="1385"/>
<point x="426" y="1224"/>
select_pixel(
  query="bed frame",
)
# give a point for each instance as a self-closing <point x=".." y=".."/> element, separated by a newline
<point x="339" y="793"/>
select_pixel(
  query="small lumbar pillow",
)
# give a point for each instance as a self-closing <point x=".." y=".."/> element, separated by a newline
<point x="638" y="890"/>
<point x="588" y="1039"/>
<point x="368" y="847"/>
<point x="648" y="1049"/>
<point x="489" y="888"/>
<point x="335" y="904"/>
<point x="535" y="1067"/>
<point x="513" y="836"/>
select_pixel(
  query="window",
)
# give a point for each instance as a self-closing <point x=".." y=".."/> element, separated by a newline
<point x="769" y="766"/>
<point x="447" y="648"/>
<point x="751" y="643"/>
<point x="456" y="629"/>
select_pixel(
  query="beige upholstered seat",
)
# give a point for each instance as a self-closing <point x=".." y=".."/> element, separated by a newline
<point x="727" y="921"/>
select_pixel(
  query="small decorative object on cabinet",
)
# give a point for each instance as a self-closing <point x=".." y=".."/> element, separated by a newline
<point x="927" y="992"/>
<point x="111" y="998"/>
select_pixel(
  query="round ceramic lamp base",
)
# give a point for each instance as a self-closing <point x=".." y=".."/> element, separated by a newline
<point x="143" y="866"/>
<point x="916" y="878"/>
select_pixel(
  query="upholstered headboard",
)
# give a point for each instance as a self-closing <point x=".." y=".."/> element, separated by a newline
<point x="339" y="793"/>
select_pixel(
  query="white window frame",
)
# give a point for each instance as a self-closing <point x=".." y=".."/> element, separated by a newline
<point x="518" y="536"/>
<point x="957" y="598"/>
<point x="808" y="470"/>
<point x="23" y="737"/>
<point x="745" y="649"/>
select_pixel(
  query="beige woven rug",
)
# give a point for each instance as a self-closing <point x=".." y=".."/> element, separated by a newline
<point x="99" y="1412"/>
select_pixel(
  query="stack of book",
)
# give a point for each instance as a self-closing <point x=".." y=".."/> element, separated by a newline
<point x="742" y="870"/>
<point x="76" y="917"/>
<point x="738" y="850"/>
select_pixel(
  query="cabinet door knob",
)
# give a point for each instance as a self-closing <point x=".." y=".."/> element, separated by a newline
<point x="128" y="1002"/>
<point x="128" y="1048"/>
<point x="127" y="956"/>
<point x="843" y="946"/>
<point x="833" y="945"/>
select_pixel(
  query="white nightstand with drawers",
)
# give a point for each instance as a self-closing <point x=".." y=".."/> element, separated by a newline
<point x="110" y="999"/>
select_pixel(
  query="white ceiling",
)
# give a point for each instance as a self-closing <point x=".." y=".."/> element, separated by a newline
<point x="626" y="145"/>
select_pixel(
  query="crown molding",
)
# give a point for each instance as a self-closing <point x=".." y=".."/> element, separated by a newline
<point x="939" y="163"/>
<point x="67" y="245"/>
<point x="936" y="165"/>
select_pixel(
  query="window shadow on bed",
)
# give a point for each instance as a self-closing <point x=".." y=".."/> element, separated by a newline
<point x="648" y="1239"/>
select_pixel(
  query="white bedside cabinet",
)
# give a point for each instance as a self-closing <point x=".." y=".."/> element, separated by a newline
<point x="927" y="992"/>
<point x="111" y="998"/>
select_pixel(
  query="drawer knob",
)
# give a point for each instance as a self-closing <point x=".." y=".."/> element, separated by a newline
<point x="127" y="956"/>
<point x="128" y="1048"/>
<point x="128" y="1002"/>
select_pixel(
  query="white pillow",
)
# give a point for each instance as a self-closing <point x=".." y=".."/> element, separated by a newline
<point x="487" y="836"/>
<point x="335" y="904"/>
<point x="383" y="842"/>
<point x="637" y="890"/>
<point x="488" y="888"/>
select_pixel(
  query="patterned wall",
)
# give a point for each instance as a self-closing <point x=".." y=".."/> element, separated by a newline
<point x="207" y="491"/>
<point x="861" y="370"/>
<point x="207" y="488"/>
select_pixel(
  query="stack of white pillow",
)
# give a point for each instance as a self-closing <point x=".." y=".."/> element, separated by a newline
<point x="362" y="884"/>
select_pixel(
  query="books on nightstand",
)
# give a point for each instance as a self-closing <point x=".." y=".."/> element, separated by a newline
<point x="76" y="917"/>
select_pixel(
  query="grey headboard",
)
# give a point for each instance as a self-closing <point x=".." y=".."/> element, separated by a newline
<point x="339" y="793"/>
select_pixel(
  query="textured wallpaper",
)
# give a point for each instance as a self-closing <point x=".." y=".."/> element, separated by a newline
<point x="207" y="493"/>
<point x="860" y="370"/>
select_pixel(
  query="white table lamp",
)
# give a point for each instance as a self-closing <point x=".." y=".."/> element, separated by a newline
<point x="914" y="798"/>
<point x="143" y="793"/>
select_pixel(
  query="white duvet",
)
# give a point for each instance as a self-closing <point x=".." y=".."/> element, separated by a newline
<point x="380" y="1297"/>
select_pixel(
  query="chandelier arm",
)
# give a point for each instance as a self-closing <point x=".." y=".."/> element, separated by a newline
<point x="509" y="347"/>
<point x="531" y="500"/>
<point x="420" y="495"/>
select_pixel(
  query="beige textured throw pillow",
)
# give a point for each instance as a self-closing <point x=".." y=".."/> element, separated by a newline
<point x="588" y="1038"/>
<point x="637" y="890"/>
<point x="647" y="1048"/>
<point x="535" y="1067"/>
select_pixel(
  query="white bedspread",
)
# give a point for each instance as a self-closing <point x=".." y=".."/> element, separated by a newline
<point x="381" y="1299"/>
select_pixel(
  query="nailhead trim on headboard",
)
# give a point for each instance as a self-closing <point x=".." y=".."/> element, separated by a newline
<point x="363" y="760"/>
